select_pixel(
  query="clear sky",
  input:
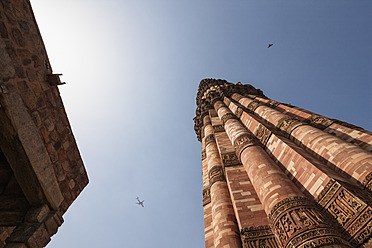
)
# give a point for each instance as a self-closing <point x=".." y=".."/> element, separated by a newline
<point x="132" y="70"/>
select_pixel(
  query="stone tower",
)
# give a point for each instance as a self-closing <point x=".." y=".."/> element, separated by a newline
<point x="275" y="175"/>
<point x="41" y="170"/>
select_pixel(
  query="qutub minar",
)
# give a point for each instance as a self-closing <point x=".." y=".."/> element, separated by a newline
<point x="275" y="175"/>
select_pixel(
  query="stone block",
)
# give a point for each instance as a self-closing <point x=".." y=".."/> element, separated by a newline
<point x="15" y="245"/>
<point x="37" y="215"/>
<point x="52" y="223"/>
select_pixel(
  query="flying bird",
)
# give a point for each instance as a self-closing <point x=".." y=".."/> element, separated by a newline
<point x="270" y="45"/>
<point x="140" y="202"/>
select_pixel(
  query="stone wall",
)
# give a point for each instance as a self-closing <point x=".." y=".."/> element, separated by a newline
<point x="35" y="126"/>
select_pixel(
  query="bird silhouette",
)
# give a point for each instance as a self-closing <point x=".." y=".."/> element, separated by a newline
<point x="270" y="45"/>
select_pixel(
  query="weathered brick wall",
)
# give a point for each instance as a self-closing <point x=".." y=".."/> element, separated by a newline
<point x="24" y="70"/>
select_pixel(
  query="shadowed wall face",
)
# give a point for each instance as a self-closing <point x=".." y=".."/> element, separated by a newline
<point x="41" y="171"/>
<point x="292" y="180"/>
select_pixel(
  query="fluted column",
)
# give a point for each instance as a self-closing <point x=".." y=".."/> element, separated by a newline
<point x="224" y="223"/>
<point x="345" y="131"/>
<point x="207" y="206"/>
<point x="331" y="191"/>
<point x="348" y="158"/>
<point x="295" y="220"/>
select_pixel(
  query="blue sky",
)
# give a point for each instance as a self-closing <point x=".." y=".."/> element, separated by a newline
<point x="132" y="70"/>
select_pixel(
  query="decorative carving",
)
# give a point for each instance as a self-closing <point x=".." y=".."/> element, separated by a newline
<point x="362" y="236"/>
<point x="327" y="193"/>
<point x="257" y="237"/>
<point x="288" y="124"/>
<point x="216" y="174"/>
<point x="227" y="117"/>
<point x="318" y="121"/>
<point x="206" y="196"/>
<point x="348" y="210"/>
<point x="218" y="129"/>
<point x="319" y="238"/>
<point x="342" y="204"/>
<point x="362" y="219"/>
<point x="286" y="204"/>
<point x="263" y="134"/>
<point x="239" y="112"/>
<point x="244" y="141"/>
<point x="209" y="139"/>
<point x="203" y="154"/>
<point x="367" y="182"/>
<point x="298" y="223"/>
<point x="272" y="104"/>
<point x="251" y="96"/>
<point x="237" y="97"/>
<point x="252" y="106"/>
<point x="227" y="101"/>
<point x="210" y="88"/>
<point x="230" y="159"/>
<point x="344" y="207"/>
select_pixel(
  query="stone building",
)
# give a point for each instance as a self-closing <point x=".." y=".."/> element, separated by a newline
<point x="41" y="171"/>
<point x="275" y="175"/>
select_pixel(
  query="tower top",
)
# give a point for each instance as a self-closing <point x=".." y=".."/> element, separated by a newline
<point x="209" y="89"/>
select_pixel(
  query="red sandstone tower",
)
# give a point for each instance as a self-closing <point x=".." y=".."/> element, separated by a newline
<point x="275" y="175"/>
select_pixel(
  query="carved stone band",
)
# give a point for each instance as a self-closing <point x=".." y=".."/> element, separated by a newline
<point x="244" y="141"/>
<point x="216" y="174"/>
<point x="260" y="236"/>
<point x="227" y="117"/>
<point x="365" y="234"/>
<point x="209" y="139"/>
<point x="206" y="196"/>
<point x="230" y="159"/>
<point x="320" y="237"/>
<point x="239" y="112"/>
<point x="237" y="97"/>
<point x="227" y="101"/>
<point x="263" y="134"/>
<point x="288" y="124"/>
<point x="286" y="204"/>
<point x="367" y="182"/>
<point x="351" y="212"/>
<point x="272" y="104"/>
<point x="252" y="106"/>
<point x="203" y="154"/>
<point x="218" y="129"/>
<point x="318" y="121"/>
<point x="307" y="224"/>
<point x="251" y="96"/>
